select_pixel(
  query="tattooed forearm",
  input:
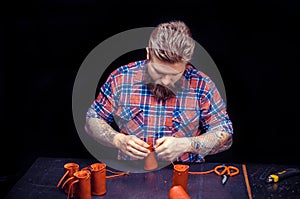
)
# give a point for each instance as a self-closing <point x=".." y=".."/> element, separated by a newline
<point x="100" y="131"/>
<point x="211" y="143"/>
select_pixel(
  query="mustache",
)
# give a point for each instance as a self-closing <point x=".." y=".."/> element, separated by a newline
<point x="161" y="92"/>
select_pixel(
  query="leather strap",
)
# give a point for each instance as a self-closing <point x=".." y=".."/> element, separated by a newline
<point x="71" y="178"/>
<point x="62" y="178"/>
<point x="70" y="187"/>
<point x="116" y="174"/>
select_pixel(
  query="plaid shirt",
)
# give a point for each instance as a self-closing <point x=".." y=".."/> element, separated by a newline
<point x="126" y="100"/>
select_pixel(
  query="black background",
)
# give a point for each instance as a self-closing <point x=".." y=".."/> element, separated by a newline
<point x="255" y="45"/>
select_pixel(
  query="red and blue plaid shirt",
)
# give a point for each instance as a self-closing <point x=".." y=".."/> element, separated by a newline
<point x="125" y="99"/>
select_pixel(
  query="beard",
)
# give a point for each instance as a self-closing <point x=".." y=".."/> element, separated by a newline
<point x="161" y="92"/>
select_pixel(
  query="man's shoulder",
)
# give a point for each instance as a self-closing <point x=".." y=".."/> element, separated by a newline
<point x="129" y="72"/>
<point x="194" y="73"/>
<point x="130" y="67"/>
<point x="135" y="64"/>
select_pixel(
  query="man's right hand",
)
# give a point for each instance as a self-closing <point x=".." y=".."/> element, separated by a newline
<point x="131" y="145"/>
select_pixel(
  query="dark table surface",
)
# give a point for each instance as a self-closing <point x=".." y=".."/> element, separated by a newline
<point x="42" y="177"/>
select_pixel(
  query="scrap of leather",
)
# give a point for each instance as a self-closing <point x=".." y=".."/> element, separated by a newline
<point x="177" y="192"/>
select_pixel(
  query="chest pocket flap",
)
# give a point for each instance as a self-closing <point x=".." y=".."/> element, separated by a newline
<point x="186" y="121"/>
<point x="130" y="119"/>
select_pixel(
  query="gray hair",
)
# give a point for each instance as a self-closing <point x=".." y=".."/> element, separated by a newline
<point x="172" y="42"/>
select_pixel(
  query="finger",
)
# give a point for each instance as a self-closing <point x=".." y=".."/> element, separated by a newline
<point x="134" y="153"/>
<point x="137" y="149"/>
<point x="161" y="149"/>
<point x="141" y="142"/>
<point x="159" y="141"/>
<point x="129" y="153"/>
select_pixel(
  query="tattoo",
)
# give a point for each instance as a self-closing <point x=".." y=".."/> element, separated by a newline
<point x="195" y="144"/>
<point x="100" y="131"/>
<point x="211" y="143"/>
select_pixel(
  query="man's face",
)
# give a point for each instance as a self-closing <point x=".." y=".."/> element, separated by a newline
<point x="164" y="77"/>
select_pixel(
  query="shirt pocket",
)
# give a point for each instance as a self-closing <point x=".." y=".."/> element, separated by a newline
<point x="130" y="120"/>
<point x="186" y="123"/>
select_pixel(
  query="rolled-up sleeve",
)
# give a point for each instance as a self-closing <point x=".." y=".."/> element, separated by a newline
<point x="214" y="113"/>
